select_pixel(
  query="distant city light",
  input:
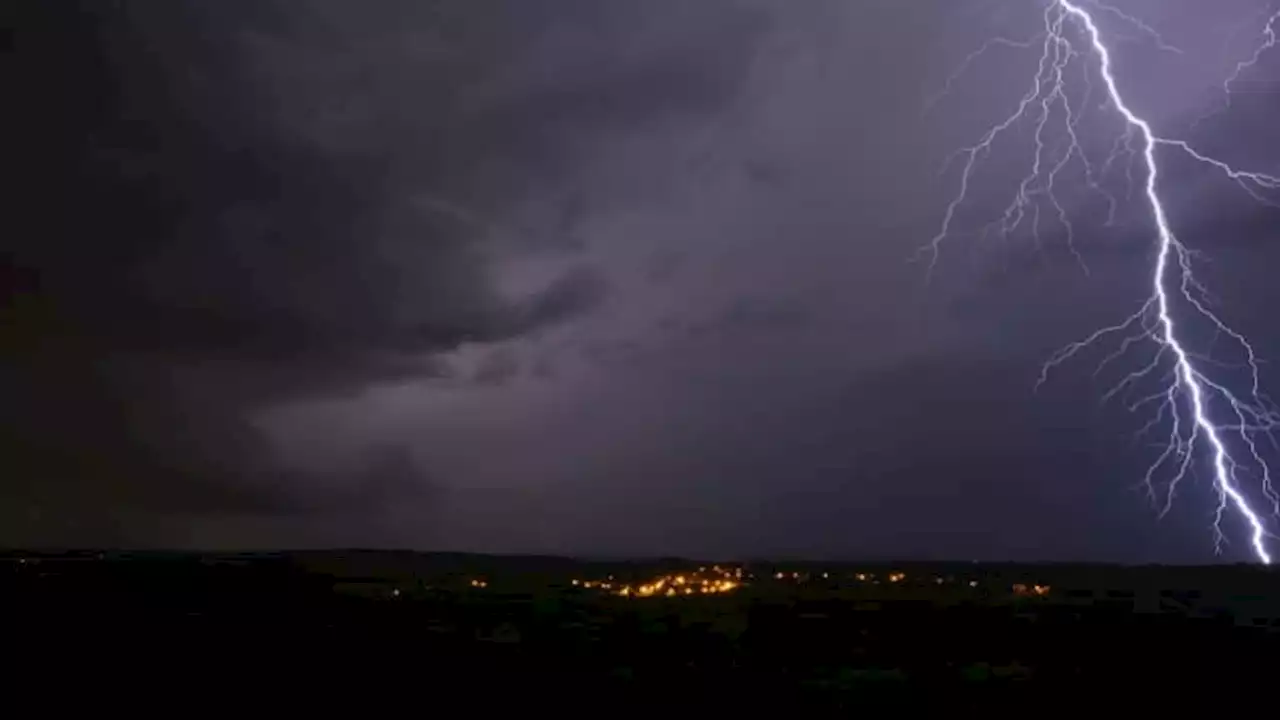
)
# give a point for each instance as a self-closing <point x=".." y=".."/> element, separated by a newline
<point x="702" y="582"/>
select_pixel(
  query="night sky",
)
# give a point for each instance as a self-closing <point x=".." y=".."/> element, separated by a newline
<point x="594" y="277"/>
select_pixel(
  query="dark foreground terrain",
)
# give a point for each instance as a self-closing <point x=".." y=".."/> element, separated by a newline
<point x="481" y="635"/>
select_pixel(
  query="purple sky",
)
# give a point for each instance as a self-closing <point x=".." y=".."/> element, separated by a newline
<point x="580" y="276"/>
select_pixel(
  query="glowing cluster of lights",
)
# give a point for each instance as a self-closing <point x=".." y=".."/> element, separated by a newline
<point x="1024" y="590"/>
<point x="477" y="583"/>
<point x="703" y="581"/>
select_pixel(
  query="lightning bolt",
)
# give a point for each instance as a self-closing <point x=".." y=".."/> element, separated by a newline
<point x="1205" y="418"/>
<point x="1270" y="38"/>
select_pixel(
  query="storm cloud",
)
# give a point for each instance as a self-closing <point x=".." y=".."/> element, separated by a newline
<point x="225" y="206"/>
<point x="586" y="276"/>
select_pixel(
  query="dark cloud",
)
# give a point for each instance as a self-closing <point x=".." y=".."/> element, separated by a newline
<point x="581" y="275"/>
<point x="497" y="368"/>
<point x="576" y="289"/>
<point x="219" y="209"/>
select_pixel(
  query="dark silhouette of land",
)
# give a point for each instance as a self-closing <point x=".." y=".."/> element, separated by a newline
<point x="676" y="637"/>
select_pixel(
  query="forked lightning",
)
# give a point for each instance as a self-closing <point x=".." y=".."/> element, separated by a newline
<point x="1207" y="420"/>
